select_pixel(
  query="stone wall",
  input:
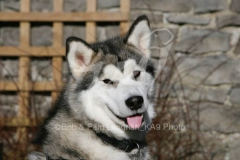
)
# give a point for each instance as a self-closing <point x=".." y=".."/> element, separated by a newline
<point x="206" y="36"/>
<point x="207" y="44"/>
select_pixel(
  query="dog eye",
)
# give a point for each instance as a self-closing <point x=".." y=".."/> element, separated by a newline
<point x="108" y="81"/>
<point x="136" y="74"/>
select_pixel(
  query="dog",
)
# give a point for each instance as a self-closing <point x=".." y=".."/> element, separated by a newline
<point x="108" y="100"/>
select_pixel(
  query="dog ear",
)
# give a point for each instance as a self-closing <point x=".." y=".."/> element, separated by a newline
<point x="139" y="35"/>
<point x="79" y="55"/>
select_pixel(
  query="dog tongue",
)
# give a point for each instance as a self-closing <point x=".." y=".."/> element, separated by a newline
<point x="134" y="122"/>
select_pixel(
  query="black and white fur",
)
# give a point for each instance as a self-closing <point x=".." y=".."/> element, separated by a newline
<point x="101" y="79"/>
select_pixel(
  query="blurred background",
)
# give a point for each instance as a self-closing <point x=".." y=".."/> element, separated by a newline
<point x="198" y="99"/>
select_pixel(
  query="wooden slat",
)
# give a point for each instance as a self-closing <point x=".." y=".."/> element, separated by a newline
<point x="57" y="39"/>
<point x="57" y="26"/>
<point x="21" y="122"/>
<point x="63" y="17"/>
<point x="91" y="26"/>
<point x="57" y="75"/>
<point x="36" y="86"/>
<point x="125" y="9"/>
<point x="9" y="86"/>
<point x="57" y="34"/>
<point x="46" y="86"/>
<point x="23" y="101"/>
<point x="32" y="51"/>
<point x="24" y="63"/>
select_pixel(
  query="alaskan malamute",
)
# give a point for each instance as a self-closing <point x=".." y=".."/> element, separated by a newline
<point x="108" y="100"/>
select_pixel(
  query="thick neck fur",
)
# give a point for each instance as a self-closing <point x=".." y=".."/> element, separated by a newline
<point x="77" y="141"/>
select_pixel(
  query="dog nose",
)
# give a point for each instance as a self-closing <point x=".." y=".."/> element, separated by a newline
<point x="134" y="102"/>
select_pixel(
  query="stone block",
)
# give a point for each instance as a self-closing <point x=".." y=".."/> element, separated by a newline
<point x="70" y="30"/>
<point x="219" y="118"/>
<point x="9" y="35"/>
<point x="105" y="32"/>
<point x="212" y="70"/>
<point x="74" y="5"/>
<point x="9" y="70"/>
<point x="41" y="5"/>
<point x="235" y="6"/>
<point x="228" y="20"/>
<point x="41" y="69"/>
<point x="10" y="5"/>
<point x="189" y="19"/>
<point x="234" y="148"/>
<point x="235" y="96"/>
<point x="41" y="103"/>
<point x="108" y="4"/>
<point x="152" y="16"/>
<point x="237" y="49"/>
<point x="202" y="94"/>
<point x="203" y="6"/>
<point x="216" y="95"/>
<point x="163" y="5"/>
<point x="9" y="105"/>
<point x="202" y="41"/>
<point x="41" y="35"/>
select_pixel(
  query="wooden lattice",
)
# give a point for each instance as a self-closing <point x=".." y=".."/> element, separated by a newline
<point x="24" y="51"/>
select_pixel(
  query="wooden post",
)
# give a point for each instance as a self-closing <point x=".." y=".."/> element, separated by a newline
<point x="24" y="63"/>
<point x="91" y="26"/>
<point x="57" y="42"/>
<point x="125" y="8"/>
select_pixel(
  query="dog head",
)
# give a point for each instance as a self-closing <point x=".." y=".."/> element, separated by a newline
<point x="112" y="81"/>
